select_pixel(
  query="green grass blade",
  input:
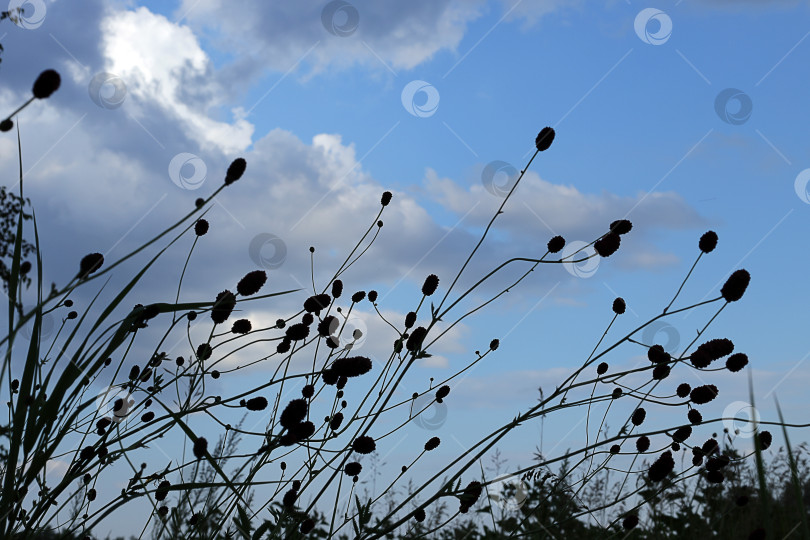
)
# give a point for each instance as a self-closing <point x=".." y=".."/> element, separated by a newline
<point x="763" y="486"/>
<point x="794" y="474"/>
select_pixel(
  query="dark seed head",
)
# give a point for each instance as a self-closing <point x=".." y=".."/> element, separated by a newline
<point x="617" y="393"/>
<point x="223" y="306"/>
<point x="703" y="394"/>
<point x="544" y="139"/>
<point x="430" y="285"/>
<point x="314" y="304"/>
<point x="204" y="351"/>
<point x="201" y="227"/>
<point x="694" y="416"/>
<point x="708" y="242"/>
<point x="308" y="391"/>
<point x="682" y="433"/>
<point x="329" y="377"/>
<point x="364" y="445"/>
<point x="410" y="319"/>
<point x="735" y="286"/>
<point x="353" y="366"/>
<point x="6" y="125"/>
<point x="334" y="424"/>
<point x="638" y="416"/>
<point x="162" y="490"/>
<point x="46" y="84"/>
<point x="683" y="390"/>
<point x="607" y="245"/>
<point x="353" y="468"/>
<point x="661" y="468"/>
<point x="716" y="348"/>
<point x="556" y="244"/>
<point x="643" y="443"/>
<point x="470" y="495"/>
<point x="621" y="226"/>
<point x="386" y="198"/>
<point x="442" y="392"/>
<point x="619" y="306"/>
<point x="736" y="362"/>
<point x="289" y="498"/>
<point x="89" y="264"/>
<point x="284" y="346"/>
<point x="630" y="522"/>
<point x="416" y="338"/>
<point x="714" y="477"/>
<point x="602" y="368"/>
<point x="657" y="354"/>
<point x="432" y="443"/>
<point x="235" y="171"/>
<point x="765" y="439"/>
<point x="700" y="359"/>
<point x="251" y="283"/>
<point x="297" y="332"/>
<point x="256" y="403"/>
<point x="661" y="372"/>
<point x="303" y="431"/>
<point x="358" y="296"/>
<point x="294" y="413"/>
<point x="493" y="345"/>
<point x="241" y="326"/>
<point x="337" y="288"/>
<point x="200" y="447"/>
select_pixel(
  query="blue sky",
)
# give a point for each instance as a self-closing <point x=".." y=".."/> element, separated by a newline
<point x="647" y="129"/>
